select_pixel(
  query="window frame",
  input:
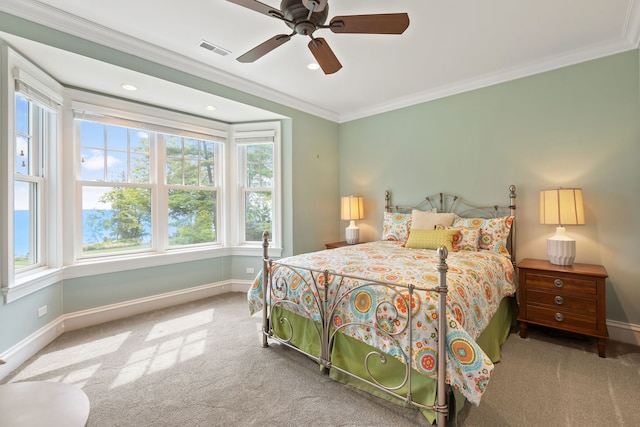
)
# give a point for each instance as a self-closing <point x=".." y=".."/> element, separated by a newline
<point x="132" y="115"/>
<point x="242" y="135"/>
<point x="20" y="76"/>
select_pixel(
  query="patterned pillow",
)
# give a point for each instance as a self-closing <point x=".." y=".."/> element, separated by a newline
<point x="431" y="239"/>
<point x="396" y="226"/>
<point x="466" y="240"/>
<point x="493" y="232"/>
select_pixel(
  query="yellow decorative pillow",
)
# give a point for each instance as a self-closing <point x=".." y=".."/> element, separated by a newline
<point x="431" y="239"/>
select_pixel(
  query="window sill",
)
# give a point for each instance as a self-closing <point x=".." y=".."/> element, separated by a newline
<point x="32" y="282"/>
<point x="104" y="265"/>
<point x="40" y="279"/>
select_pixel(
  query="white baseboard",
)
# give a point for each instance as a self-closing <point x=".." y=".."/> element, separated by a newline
<point x="107" y="313"/>
<point x="22" y="351"/>
<point x="624" y="332"/>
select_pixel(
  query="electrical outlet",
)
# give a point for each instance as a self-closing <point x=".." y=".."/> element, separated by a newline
<point x="42" y="311"/>
<point x="250" y="270"/>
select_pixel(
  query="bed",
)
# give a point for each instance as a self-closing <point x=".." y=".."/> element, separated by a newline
<point x="370" y="314"/>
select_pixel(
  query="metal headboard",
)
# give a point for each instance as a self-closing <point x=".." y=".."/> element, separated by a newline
<point x="444" y="202"/>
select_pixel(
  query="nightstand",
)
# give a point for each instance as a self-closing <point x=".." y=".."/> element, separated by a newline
<point x="339" y="244"/>
<point x="569" y="298"/>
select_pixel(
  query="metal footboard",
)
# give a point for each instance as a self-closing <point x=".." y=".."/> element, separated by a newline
<point x="327" y="292"/>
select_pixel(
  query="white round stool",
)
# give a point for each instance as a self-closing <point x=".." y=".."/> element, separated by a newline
<point x="43" y="403"/>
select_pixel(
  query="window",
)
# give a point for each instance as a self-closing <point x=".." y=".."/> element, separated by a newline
<point x="27" y="183"/>
<point x="29" y="160"/>
<point x="191" y="178"/>
<point x="257" y="166"/>
<point x="34" y="128"/>
<point x="144" y="188"/>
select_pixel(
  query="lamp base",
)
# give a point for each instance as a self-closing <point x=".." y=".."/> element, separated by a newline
<point x="352" y="233"/>
<point x="561" y="248"/>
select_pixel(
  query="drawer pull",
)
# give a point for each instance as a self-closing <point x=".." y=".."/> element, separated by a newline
<point x="559" y="300"/>
<point x="559" y="317"/>
<point x="559" y="283"/>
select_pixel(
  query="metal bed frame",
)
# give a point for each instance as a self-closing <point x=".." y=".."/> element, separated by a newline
<point x="325" y="304"/>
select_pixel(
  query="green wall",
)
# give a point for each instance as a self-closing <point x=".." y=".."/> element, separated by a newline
<point x="573" y="127"/>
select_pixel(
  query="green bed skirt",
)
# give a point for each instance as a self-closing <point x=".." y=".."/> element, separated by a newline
<point x="348" y="353"/>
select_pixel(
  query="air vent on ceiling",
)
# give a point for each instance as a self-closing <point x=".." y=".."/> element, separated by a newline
<point x="212" y="47"/>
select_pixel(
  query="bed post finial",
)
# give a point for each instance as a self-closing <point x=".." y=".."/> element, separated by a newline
<point x="265" y="244"/>
<point x="387" y="201"/>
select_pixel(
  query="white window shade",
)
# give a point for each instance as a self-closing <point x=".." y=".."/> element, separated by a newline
<point x="33" y="89"/>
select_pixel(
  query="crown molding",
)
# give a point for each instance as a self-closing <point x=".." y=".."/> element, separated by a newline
<point x="631" y="30"/>
<point x="503" y="76"/>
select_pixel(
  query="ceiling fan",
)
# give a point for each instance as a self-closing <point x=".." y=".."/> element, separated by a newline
<point x="304" y="17"/>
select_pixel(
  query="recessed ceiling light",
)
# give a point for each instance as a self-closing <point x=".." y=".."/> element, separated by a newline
<point x="313" y="66"/>
<point x="128" y="87"/>
<point x="211" y="108"/>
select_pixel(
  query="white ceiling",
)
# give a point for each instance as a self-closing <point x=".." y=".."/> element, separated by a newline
<point x="450" y="46"/>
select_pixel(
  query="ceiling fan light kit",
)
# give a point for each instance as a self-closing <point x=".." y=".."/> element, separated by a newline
<point x="304" y="17"/>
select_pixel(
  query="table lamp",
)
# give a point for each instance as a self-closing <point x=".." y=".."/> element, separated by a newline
<point x="561" y="207"/>
<point x="352" y="208"/>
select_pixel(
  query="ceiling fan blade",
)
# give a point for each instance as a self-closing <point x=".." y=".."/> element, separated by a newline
<point x="385" y="23"/>
<point x="260" y="7"/>
<point x="264" y="48"/>
<point x="324" y="55"/>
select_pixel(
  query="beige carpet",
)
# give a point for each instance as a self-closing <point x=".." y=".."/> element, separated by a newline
<point x="201" y="364"/>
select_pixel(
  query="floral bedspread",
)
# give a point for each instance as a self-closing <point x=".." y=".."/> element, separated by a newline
<point x="477" y="282"/>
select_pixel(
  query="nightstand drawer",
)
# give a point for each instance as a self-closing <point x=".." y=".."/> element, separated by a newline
<point x="584" y="287"/>
<point x="565" y="319"/>
<point x="562" y="301"/>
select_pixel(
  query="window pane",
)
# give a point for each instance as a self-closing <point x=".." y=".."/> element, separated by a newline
<point x="191" y="148"/>
<point x="259" y="164"/>
<point x="117" y="166"/>
<point x="91" y="165"/>
<point x="117" y="138"/>
<point x="192" y="217"/>
<point x="126" y="155"/>
<point x="22" y="155"/>
<point x="174" y="171"/>
<point x="207" y="175"/>
<point x="190" y="172"/>
<point x="207" y="150"/>
<point x="23" y="149"/>
<point x="115" y="219"/>
<point x="24" y="224"/>
<point x="92" y="134"/>
<point x="257" y="214"/>
<point x="139" y="141"/>
<point x="22" y="114"/>
<point x="139" y="168"/>
<point x="189" y="161"/>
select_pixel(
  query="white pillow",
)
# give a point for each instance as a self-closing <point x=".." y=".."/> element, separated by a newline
<point x="427" y="221"/>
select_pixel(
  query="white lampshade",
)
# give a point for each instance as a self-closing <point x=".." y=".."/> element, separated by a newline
<point x="561" y="207"/>
<point x="352" y="208"/>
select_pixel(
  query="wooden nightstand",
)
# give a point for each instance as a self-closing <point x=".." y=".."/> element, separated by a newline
<point x="569" y="298"/>
<point x="339" y="244"/>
